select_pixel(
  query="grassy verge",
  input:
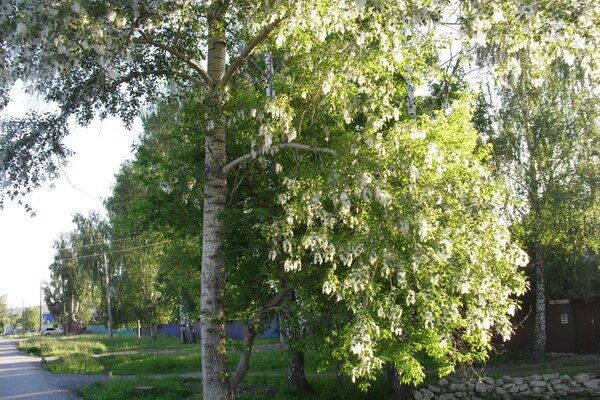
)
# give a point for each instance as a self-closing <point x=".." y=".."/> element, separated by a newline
<point x="163" y="389"/>
<point x="75" y="355"/>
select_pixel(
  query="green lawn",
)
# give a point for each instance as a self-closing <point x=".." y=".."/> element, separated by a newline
<point x="253" y="388"/>
<point x="266" y="379"/>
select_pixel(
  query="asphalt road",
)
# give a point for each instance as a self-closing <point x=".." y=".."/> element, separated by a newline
<point x="22" y="377"/>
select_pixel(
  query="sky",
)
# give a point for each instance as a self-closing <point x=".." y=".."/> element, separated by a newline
<point x="26" y="241"/>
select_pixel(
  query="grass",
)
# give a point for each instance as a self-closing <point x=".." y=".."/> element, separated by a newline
<point x="254" y="388"/>
<point x="74" y="355"/>
<point x="161" y="363"/>
<point x="164" y="389"/>
<point x="265" y="380"/>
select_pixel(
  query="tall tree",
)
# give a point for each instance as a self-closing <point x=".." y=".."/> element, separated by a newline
<point x="31" y="318"/>
<point x="109" y="57"/>
<point x="547" y="133"/>
<point x="70" y="294"/>
<point x="4" y="314"/>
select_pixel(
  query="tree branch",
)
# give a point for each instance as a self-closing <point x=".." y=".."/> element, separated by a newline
<point x="250" y="156"/>
<point x="262" y="35"/>
<point x="157" y="72"/>
<point x="181" y="56"/>
<point x="250" y="334"/>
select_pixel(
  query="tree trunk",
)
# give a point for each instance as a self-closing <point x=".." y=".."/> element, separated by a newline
<point x="215" y="385"/>
<point x="244" y="363"/>
<point x="108" y="309"/>
<point x="138" y="333"/>
<point x="400" y="391"/>
<point x="296" y="373"/>
<point x="410" y="92"/>
<point x="539" y="331"/>
<point x="153" y="331"/>
<point x="539" y="335"/>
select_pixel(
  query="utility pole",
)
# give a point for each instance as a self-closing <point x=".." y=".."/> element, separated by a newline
<point x="107" y="283"/>
<point x="41" y="316"/>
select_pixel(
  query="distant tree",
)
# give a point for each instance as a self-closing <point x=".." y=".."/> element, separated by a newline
<point x="71" y="293"/>
<point x="31" y="318"/>
<point x="4" y="313"/>
<point x="547" y="141"/>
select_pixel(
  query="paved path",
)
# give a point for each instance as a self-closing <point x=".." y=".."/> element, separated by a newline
<point x="22" y="377"/>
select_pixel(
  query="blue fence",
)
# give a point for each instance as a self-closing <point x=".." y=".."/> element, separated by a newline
<point x="233" y="330"/>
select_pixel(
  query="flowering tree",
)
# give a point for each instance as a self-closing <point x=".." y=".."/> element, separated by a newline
<point x="413" y="234"/>
<point x="94" y="57"/>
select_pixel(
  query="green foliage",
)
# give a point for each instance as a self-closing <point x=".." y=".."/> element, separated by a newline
<point x="410" y="231"/>
<point x="547" y="144"/>
<point x="4" y="313"/>
<point x="31" y="318"/>
<point x="340" y="68"/>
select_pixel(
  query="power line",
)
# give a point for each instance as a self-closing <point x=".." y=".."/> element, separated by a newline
<point x="114" y="251"/>
<point x="83" y="246"/>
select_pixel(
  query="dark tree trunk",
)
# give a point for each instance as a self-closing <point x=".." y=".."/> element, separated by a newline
<point x="154" y="331"/>
<point x="400" y="391"/>
<point x="188" y="336"/>
<point x="539" y="335"/>
<point x="296" y="372"/>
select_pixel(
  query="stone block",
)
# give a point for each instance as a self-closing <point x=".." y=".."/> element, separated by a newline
<point x="592" y="384"/>
<point x="537" y="383"/>
<point x="514" y="389"/>
<point x="507" y="379"/>
<point x="580" y="378"/>
<point x="523" y="387"/>
<point x="547" y="377"/>
<point x="443" y="382"/>
<point x="457" y="387"/>
<point x="518" y="381"/>
<point x="573" y="385"/>
<point x="488" y="380"/>
<point x="565" y="378"/>
<point x="481" y="387"/>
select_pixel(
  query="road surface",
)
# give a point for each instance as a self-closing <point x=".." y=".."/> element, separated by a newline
<point x="22" y="377"/>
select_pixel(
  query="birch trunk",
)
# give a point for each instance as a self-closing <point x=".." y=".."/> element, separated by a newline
<point x="296" y="375"/>
<point x="539" y="330"/>
<point x="215" y="383"/>
<point x="410" y="92"/>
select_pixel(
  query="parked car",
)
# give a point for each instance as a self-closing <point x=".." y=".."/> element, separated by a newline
<point x="51" y="331"/>
<point x="31" y="332"/>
